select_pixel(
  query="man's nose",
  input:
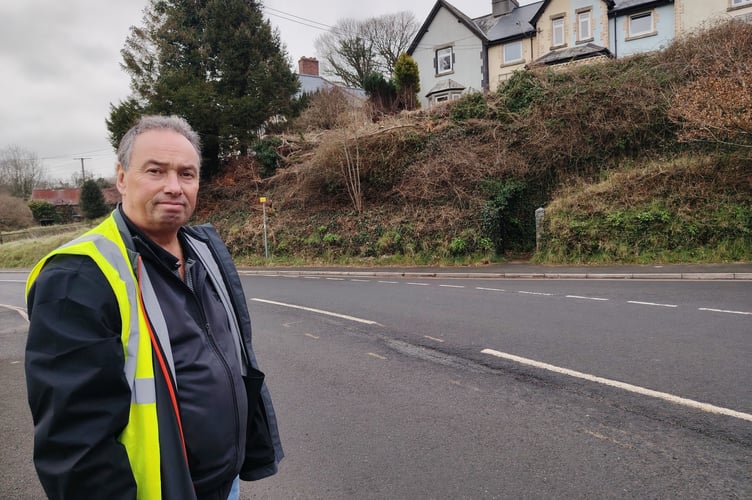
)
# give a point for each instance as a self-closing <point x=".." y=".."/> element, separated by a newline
<point x="172" y="183"/>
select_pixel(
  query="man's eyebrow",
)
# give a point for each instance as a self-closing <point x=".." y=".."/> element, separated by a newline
<point x="167" y="164"/>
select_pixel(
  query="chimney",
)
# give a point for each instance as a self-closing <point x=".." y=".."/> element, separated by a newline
<point x="501" y="7"/>
<point x="308" y="66"/>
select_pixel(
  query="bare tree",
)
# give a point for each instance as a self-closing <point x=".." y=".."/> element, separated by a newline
<point x="354" y="49"/>
<point x="20" y="171"/>
<point x="391" y="35"/>
<point x="348" y="54"/>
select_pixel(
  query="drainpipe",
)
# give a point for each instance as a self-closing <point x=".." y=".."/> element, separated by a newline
<point x="484" y="83"/>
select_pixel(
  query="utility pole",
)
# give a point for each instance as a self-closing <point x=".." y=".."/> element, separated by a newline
<point x="83" y="172"/>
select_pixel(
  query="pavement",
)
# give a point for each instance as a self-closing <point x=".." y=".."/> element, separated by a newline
<point x="724" y="271"/>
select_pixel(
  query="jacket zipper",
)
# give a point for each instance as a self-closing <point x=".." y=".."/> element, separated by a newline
<point x="228" y="372"/>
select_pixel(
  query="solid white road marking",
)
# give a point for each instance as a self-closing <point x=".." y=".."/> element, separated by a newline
<point x="319" y="311"/>
<point x="19" y="310"/>
<point x="724" y="311"/>
<point x="624" y="386"/>
<point x="650" y="304"/>
<point x="583" y="297"/>
<point x="432" y="338"/>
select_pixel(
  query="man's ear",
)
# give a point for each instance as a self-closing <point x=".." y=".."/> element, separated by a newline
<point x="120" y="176"/>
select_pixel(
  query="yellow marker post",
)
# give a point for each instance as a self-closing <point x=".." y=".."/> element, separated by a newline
<point x="263" y="208"/>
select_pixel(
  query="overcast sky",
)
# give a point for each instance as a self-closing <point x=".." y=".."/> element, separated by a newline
<point x="61" y="70"/>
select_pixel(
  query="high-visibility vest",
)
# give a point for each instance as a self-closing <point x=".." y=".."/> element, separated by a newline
<point x="140" y="437"/>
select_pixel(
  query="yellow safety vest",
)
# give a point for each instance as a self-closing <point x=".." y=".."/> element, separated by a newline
<point x="105" y="246"/>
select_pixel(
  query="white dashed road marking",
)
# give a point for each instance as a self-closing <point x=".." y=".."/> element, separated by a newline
<point x="650" y="304"/>
<point x="724" y="311"/>
<point x="319" y="311"/>
<point x="584" y="298"/>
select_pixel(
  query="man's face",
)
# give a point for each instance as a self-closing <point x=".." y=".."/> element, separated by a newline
<point x="160" y="186"/>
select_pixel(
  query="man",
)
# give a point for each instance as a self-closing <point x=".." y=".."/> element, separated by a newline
<point x="141" y="377"/>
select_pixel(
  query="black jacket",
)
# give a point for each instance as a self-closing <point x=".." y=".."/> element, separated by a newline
<point x="80" y="399"/>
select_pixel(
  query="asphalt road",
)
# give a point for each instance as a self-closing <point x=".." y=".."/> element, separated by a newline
<point x="391" y="387"/>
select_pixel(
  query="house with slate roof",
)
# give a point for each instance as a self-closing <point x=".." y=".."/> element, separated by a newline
<point x="456" y="54"/>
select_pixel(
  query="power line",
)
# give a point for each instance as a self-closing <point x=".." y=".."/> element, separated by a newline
<point x="297" y="19"/>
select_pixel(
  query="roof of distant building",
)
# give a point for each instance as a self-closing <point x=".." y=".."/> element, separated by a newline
<point x="69" y="196"/>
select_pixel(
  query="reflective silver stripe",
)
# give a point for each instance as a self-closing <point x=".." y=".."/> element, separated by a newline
<point x="144" y="391"/>
<point x="111" y="252"/>
<point x="212" y="269"/>
<point x="156" y="317"/>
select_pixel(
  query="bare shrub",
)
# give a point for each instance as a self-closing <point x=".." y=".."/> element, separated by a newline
<point x="14" y="213"/>
<point x="714" y="101"/>
<point x="330" y="109"/>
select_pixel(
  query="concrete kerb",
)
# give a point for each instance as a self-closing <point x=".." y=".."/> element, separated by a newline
<point x="487" y="275"/>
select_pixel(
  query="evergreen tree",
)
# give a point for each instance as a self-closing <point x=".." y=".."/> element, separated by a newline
<point x="407" y="81"/>
<point x="92" y="200"/>
<point x="217" y="63"/>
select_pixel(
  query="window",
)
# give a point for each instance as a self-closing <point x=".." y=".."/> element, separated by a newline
<point x="512" y="52"/>
<point x="444" y="61"/>
<point x="557" y="28"/>
<point x="641" y="24"/>
<point x="583" y="26"/>
<point x="738" y="3"/>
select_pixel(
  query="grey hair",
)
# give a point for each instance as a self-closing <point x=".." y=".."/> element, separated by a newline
<point x="156" y="122"/>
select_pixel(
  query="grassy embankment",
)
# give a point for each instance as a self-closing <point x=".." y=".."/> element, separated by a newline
<point x="630" y="158"/>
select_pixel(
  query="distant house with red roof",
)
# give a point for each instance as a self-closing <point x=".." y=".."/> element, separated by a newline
<point x="58" y="197"/>
<point x="66" y="200"/>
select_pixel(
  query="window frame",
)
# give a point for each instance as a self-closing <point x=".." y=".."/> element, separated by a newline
<point x="449" y="57"/>
<point x="651" y="31"/>
<point x="554" y="21"/>
<point x="585" y="15"/>
<point x="740" y="3"/>
<point x="518" y="60"/>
